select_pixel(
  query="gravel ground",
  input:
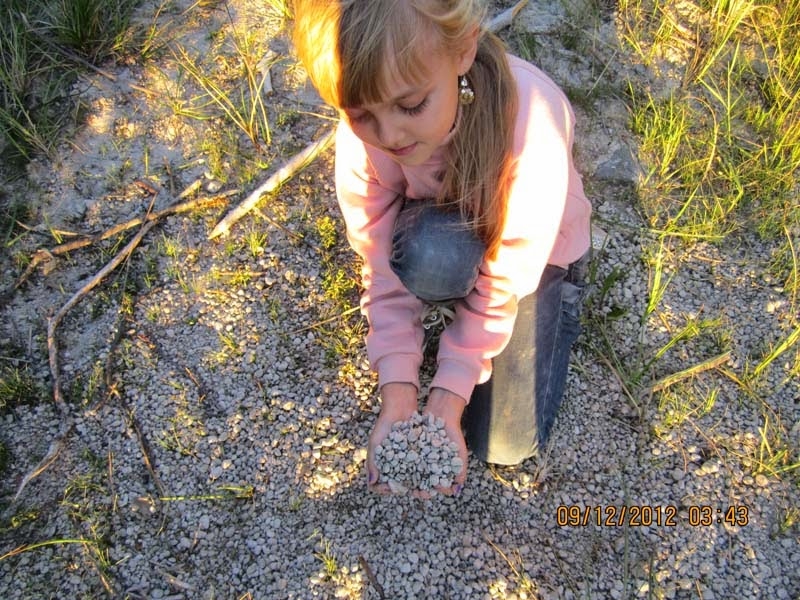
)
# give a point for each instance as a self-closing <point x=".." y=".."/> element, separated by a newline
<point x="221" y="418"/>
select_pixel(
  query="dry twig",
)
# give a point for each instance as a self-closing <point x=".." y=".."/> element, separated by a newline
<point x="277" y="179"/>
<point x="505" y="18"/>
<point x="706" y="365"/>
<point x="53" y="321"/>
<point x="67" y="421"/>
<point x="43" y="255"/>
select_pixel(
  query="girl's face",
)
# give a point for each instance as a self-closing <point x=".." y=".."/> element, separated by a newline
<point x="417" y="117"/>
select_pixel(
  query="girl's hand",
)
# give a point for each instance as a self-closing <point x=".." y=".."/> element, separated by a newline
<point x="399" y="402"/>
<point x="449" y="406"/>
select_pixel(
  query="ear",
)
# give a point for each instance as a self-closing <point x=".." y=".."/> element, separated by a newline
<point x="466" y="57"/>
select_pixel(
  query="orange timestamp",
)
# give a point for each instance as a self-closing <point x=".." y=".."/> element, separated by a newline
<point x="648" y="516"/>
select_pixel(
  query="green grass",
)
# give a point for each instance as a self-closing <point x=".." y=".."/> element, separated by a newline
<point x="234" y="81"/>
<point x="17" y="387"/>
<point x="93" y="28"/>
<point x="31" y="80"/>
<point x="43" y="48"/>
<point x="342" y="335"/>
<point x="281" y="7"/>
<point x="723" y="148"/>
<point x="720" y="147"/>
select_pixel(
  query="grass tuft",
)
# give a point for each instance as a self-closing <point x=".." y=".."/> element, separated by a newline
<point x="17" y="387"/>
<point x="93" y="28"/>
<point x="722" y="148"/>
<point x="44" y="46"/>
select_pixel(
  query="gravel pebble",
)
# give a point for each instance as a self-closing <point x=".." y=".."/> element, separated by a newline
<point x="417" y="455"/>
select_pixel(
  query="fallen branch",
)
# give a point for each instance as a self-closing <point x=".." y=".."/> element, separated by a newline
<point x="505" y="18"/>
<point x="144" y="446"/>
<point x="296" y="163"/>
<point x="53" y="321"/>
<point x="43" y="255"/>
<point x="706" y="365"/>
<point x="67" y="421"/>
<point x="349" y="311"/>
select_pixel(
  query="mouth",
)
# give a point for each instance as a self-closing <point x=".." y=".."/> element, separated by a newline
<point x="404" y="151"/>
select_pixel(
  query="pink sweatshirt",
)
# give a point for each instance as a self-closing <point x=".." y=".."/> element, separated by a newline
<point x="547" y="222"/>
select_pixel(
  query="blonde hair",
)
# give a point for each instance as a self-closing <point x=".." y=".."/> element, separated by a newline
<point x="346" y="47"/>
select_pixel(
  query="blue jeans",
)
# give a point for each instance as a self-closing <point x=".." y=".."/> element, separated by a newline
<point x="509" y="417"/>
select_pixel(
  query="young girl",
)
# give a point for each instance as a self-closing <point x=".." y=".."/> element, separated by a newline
<point x="454" y="174"/>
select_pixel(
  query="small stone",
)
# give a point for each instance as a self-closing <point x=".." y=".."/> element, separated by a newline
<point x="396" y="487"/>
<point x="417" y="455"/>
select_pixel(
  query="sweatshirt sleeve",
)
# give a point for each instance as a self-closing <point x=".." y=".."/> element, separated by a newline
<point x="544" y="178"/>
<point x="369" y="189"/>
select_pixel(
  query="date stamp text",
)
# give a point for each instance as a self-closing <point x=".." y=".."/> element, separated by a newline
<point x="648" y="516"/>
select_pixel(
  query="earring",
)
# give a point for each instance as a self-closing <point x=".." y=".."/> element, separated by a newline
<point x="465" y="94"/>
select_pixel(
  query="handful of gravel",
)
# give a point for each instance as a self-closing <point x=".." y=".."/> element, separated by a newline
<point x="418" y="455"/>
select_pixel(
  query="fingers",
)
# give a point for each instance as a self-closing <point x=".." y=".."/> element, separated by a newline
<point x="453" y="490"/>
<point x="446" y="408"/>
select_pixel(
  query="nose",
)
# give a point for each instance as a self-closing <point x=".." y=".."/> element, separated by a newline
<point x="389" y="132"/>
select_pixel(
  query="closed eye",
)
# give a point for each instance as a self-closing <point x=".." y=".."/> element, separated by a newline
<point x="415" y="110"/>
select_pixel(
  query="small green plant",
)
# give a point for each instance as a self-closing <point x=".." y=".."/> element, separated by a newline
<point x="326" y="230"/>
<point x="175" y="272"/>
<point x="153" y="313"/>
<point x="229" y="347"/>
<point x="774" y="456"/>
<point x="86" y="502"/>
<point x="527" y="45"/>
<point x="17" y="387"/>
<point x="339" y="285"/>
<point x="91" y="384"/>
<point x="274" y="309"/>
<point x="17" y="520"/>
<point x="170" y="440"/>
<point x="287" y="119"/>
<point x="229" y="342"/>
<point x="11" y="215"/>
<point x="789" y="519"/>
<point x="327" y="557"/>
<point x="683" y="402"/>
<point x="240" y="278"/>
<point x="231" y="247"/>
<point x="181" y="434"/>
<point x="342" y="341"/>
<point x="256" y="241"/>
<point x="170" y="247"/>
